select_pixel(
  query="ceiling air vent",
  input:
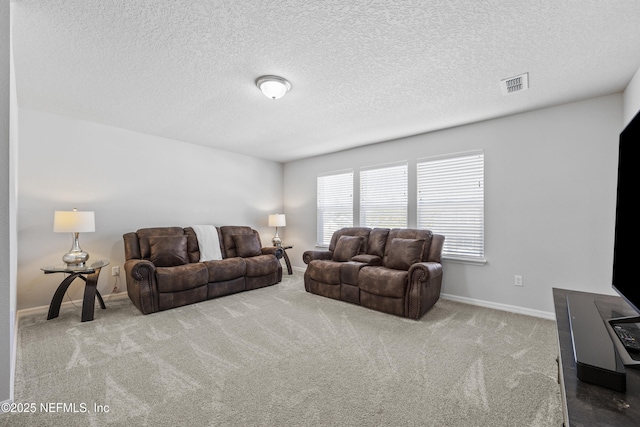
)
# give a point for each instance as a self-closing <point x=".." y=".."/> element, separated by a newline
<point x="515" y="84"/>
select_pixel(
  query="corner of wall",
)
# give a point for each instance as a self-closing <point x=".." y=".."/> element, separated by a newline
<point x="631" y="98"/>
<point x="13" y="209"/>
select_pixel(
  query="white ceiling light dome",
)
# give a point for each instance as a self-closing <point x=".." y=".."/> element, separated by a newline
<point x="273" y="87"/>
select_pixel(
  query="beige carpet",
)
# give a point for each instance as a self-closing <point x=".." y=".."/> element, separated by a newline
<point x="279" y="356"/>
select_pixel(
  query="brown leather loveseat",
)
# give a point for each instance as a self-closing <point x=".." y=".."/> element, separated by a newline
<point x="163" y="267"/>
<point x="396" y="271"/>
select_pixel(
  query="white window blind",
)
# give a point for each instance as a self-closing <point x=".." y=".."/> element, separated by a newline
<point x="451" y="202"/>
<point x="334" y="205"/>
<point x="383" y="197"/>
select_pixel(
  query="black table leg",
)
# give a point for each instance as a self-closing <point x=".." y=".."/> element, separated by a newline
<point x="56" y="301"/>
<point x="286" y="260"/>
<point x="90" y="293"/>
<point x="100" y="300"/>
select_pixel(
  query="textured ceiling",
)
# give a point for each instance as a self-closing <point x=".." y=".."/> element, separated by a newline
<point x="363" y="71"/>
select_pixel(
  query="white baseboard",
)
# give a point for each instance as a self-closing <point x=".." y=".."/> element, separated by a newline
<point x="503" y="307"/>
<point x="14" y="354"/>
<point x="45" y="308"/>
<point x="14" y="325"/>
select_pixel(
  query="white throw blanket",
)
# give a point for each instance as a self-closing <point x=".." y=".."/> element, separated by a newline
<point x="208" y="242"/>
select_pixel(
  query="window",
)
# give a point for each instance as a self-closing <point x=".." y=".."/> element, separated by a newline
<point x="383" y="197"/>
<point x="334" y="205"/>
<point x="451" y="202"/>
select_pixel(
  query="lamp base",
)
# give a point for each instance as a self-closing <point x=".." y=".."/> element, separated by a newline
<point x="76" y="257"/>
<point x="277" y="241"/>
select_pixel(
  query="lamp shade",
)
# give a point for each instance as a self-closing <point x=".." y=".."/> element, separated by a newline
<point x="277" y="220"/>
<point x="74" y="222"/>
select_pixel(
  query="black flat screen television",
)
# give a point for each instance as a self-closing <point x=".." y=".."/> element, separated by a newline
<point x="625" y="332"/>
<point x="593" y="356"/>
<point x="626" y="268"/>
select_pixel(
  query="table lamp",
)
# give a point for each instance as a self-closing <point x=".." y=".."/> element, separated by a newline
<point x="74" y="222"/>
<point x="277" y="220"/>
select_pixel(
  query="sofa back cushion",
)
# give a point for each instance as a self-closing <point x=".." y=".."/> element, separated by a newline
<point x="351" y="231"/>
<point x="408" y="233"/>
<point x="346" y="248"/>
<point x="435" y="252"/>
<point x="168" y="251"/>
<point x="229" y="249"/>
<point x="377" y="241"/>
<point x="136" y="245"/>
<point x="145" y="233"/>
<point x="403" y="253"/>
<point x="247" y="245"/>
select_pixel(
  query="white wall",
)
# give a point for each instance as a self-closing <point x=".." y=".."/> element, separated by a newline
<point x="550" y="184"/>
<point x="131" y="181"/>
<point x="7" y="301"/>
<point x="632" y="98"/>
<point x="13" y="215"/>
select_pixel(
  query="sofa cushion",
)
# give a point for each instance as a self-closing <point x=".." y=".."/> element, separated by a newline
<point x="346" y="248"/>
<point x="403" y="253"/>
<point x="261" y="265"/>
<point x="383" y="281"/>
<point x="144" y="234"/>
<point x="247" y="245"/>
<point x="168" y="251"/>
<point x="222" y="270"/>
<point x="228" y="244"/>
<point x="378" y="241"/>
<point x="181" y="277"/>
<point x="408" y="233"/>
<point x="324" y="271"/>
<point x="350" y="231"/>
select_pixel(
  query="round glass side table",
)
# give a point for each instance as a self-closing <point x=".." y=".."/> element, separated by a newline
<point x="89" y="273"/>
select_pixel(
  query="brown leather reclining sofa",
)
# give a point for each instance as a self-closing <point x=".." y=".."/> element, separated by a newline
<point x="163" y="268"/>
<point x="397" y="271"/>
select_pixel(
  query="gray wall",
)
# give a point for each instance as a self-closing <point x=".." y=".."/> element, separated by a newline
<point x="550" y="184"/>
<point x="130" y="180"/>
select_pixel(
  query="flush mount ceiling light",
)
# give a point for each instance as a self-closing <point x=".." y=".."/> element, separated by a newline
<point x="273" y="87"/>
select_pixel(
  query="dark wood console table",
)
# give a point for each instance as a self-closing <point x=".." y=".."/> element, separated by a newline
<point x="585" y="404"/>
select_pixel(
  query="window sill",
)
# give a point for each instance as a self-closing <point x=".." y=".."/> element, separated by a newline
<point x="461" y="260"/>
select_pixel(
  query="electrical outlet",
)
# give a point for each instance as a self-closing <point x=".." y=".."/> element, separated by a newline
<point x="518" y="280"/>
<point x="115" y="290"/>
<point x="115" y="271"/>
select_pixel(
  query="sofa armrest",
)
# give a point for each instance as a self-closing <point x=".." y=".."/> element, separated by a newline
<point x="424" y="271"/>
<point x="309" y="256"/>
<point x="367" y="259"/>
<point x="272" y="250"/>
<point x="278" y="253"/>
<point x="141" y="284"/>
<point x="425" y="282"/>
